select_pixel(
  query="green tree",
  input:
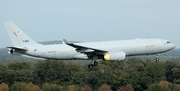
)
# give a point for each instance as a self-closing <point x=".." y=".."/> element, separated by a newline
<point x="154" y="87"/>
<point x="176" y="73"/>
<point x="23" y="75"/>
<point x="3" y="73"/>
<point x="156" y="71"/>
<point x="16" y="72"/>
<point x="169" y="65"/>
<point x="80" y="78"/>
<point x="54" y="71"/>
<point x="97" y="78"/>
<point x="48" y="71"/>
<point x="161" y="86"/>
<point x="19" y="65"/>
<point x="50" y="87"/>
<point x="137" y="75"/>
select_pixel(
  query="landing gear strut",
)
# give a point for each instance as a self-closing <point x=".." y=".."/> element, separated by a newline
<point x="93" y="63"/>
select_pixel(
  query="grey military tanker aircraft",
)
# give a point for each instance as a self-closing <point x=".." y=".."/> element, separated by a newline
<point x="106" y="50"/>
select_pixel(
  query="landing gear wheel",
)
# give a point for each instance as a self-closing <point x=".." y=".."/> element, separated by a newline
<point x="157" y="59"/>
<point x="90" y="66"/>
<point x="95" y="63"/>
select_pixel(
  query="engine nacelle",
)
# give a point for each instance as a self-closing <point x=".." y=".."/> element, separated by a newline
<point x="115" y="56"/>
<point x="11" y="51"/>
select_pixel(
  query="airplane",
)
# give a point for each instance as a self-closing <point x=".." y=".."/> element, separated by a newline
<point x="106" y="50"/>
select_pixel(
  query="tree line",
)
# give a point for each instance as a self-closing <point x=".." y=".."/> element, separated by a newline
<point x="133" y="74"/>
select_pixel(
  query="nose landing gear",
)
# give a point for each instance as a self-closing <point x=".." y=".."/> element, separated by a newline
<point x="157" y="57"/>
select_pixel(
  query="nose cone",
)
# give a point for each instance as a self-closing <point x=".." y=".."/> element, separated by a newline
<point x="167" y="46"/>
<point x="173" y="46"/>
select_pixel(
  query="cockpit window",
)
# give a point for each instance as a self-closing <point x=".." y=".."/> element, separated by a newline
<point x="168" y="42"/>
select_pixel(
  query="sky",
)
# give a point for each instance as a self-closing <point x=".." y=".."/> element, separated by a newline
<point x="92" y="20"/>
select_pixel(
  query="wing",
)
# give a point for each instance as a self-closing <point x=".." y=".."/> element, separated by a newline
<point x="84" y="49"/>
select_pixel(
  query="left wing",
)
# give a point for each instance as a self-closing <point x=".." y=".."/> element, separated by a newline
<point x="18" y="48"/>
<point x="83" y="49"/>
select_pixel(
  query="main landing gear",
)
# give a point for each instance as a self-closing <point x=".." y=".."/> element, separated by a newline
<point x="94" y="63"/>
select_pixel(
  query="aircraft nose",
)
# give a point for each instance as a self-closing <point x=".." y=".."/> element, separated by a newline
<point x="173" y="46"/>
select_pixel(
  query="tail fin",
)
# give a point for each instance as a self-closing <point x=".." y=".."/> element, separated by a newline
<point x="17" y="36"/>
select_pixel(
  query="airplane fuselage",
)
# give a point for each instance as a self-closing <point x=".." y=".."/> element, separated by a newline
<point x="130" y="47"/>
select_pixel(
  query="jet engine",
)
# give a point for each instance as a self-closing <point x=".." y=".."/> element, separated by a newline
<point x="115" y="56"/>
<point x="11" y="51"/>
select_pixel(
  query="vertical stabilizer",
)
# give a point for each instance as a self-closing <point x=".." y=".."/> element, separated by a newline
<point x="17" y="36"/>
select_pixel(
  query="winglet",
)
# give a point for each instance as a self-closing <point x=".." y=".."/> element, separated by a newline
<point x="67" y="42"/>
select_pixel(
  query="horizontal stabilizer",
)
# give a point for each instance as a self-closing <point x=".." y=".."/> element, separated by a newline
<point x="18" y="49"/>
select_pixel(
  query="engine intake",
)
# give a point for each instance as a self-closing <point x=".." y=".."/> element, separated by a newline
<point x="115" y="56"/>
